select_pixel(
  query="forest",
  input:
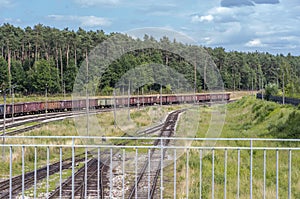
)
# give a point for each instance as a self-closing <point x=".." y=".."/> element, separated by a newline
<point x="39" y="57"/>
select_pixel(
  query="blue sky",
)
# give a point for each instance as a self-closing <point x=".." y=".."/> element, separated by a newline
<point x="243" y="25"/>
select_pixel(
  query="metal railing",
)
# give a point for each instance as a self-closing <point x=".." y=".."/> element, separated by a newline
<point x="109" y="167"/>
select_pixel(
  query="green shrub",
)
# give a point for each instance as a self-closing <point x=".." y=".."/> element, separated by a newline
<point x="262" y="111"/>
<point x="256" y="107"/>
<point x="271" y="89"/>
<point x="287" y="129"/>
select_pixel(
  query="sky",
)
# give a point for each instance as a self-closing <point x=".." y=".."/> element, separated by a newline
<point x="244" y="25"/>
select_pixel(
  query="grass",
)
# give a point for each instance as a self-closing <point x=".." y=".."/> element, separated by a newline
<point x="246" y="118"/>
<point x="64" y="128"/>
<point x="22" y="126"/>
<point x="139" y="117"/>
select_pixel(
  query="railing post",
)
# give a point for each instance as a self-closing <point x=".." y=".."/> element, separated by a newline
<point x="85" y="174"/>
<point x="290" y="175"/>
<point x="200" y="175"/>
<point x="187" y="173"/>
<point x="238" y="174"/>
<point x="225" y="173"/>
<point x="265" y="173"/>
<point x="23" y="172"/>
<point x="47" y="180"/>
<point x="251" y="164"/>
<point x="10" y="172"/>
<point x="174" y="172"/>
<point x="277" y="173"/>
<point x="73" y="167"/>
<point x="60" y="172"/>
<point x="213" y="175"/>
<point x="123" y="171"/>
<point x="98" y="174"/>
<point x="149" y="172"/>
<point x="111" y="174"/>
<point x="35" y="171"/>
<point x="161" y="169"/>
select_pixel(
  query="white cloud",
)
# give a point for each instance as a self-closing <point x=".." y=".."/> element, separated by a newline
<point x="224" y="14"/>
<point x="85" y="21"/>
<point x="87" y="3"/>
<point x="250" y="27"/>
<point x="255" y="43"/>
<point x="5" y="3"/>
<point x="221" y="10"/>
<point x="160" y="32"/>
<point x="289" y="38"/>
<point x="225" y="34"/>
<point x="11" y="20"/>
<point x="91" y="21"/>
<point x="197" y="18"/>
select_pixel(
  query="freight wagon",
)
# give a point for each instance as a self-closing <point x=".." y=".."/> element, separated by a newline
<point x="108" y="102"/>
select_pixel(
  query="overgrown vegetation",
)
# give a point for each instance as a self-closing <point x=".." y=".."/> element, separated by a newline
<point x="246" y="118"/>
<point x="140" y="117"/>
<point x="271" y="89"/>
<point x="288" y="128"/>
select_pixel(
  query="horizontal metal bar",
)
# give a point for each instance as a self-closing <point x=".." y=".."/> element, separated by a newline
<point x="152" y="138"/>
<point x="151" y="147"/>
<point x="142" y="156"/>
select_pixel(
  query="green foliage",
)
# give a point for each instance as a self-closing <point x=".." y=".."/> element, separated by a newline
<point x="18" y="75"/>
<point x="262" y="110"/>
<point x="168" y="89"/>
<point x="62" y="52"/>
<point x="269" y="118"/>
<point x="107" y="90"/>
<point x="41" y="75"/>
<point x="3" y="74"/>
<point x="271" y="89"/>
<point x="241" y="122"/>
<point x="70" y="76"/>
<point x="288" y="128"/>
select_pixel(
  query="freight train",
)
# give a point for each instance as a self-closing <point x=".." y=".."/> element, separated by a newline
<point x="106" y="102"/>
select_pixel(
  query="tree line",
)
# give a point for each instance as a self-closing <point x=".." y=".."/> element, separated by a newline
<point x="39" y="57"/>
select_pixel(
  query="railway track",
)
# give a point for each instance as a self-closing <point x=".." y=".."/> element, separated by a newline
<point x="150" y="130"/>
<point x="145" y="183"/>
<point x="88" y="181"/>
<point x="43" y="119"/>
<point x="28" y="117"/>
<point x="21" y="121"/>
<point x="29" y="178"/>
<point x="26" y="181"/>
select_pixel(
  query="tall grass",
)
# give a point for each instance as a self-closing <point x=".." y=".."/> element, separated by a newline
<point x="61" y="128"/>
<point x="248" y="118"/>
